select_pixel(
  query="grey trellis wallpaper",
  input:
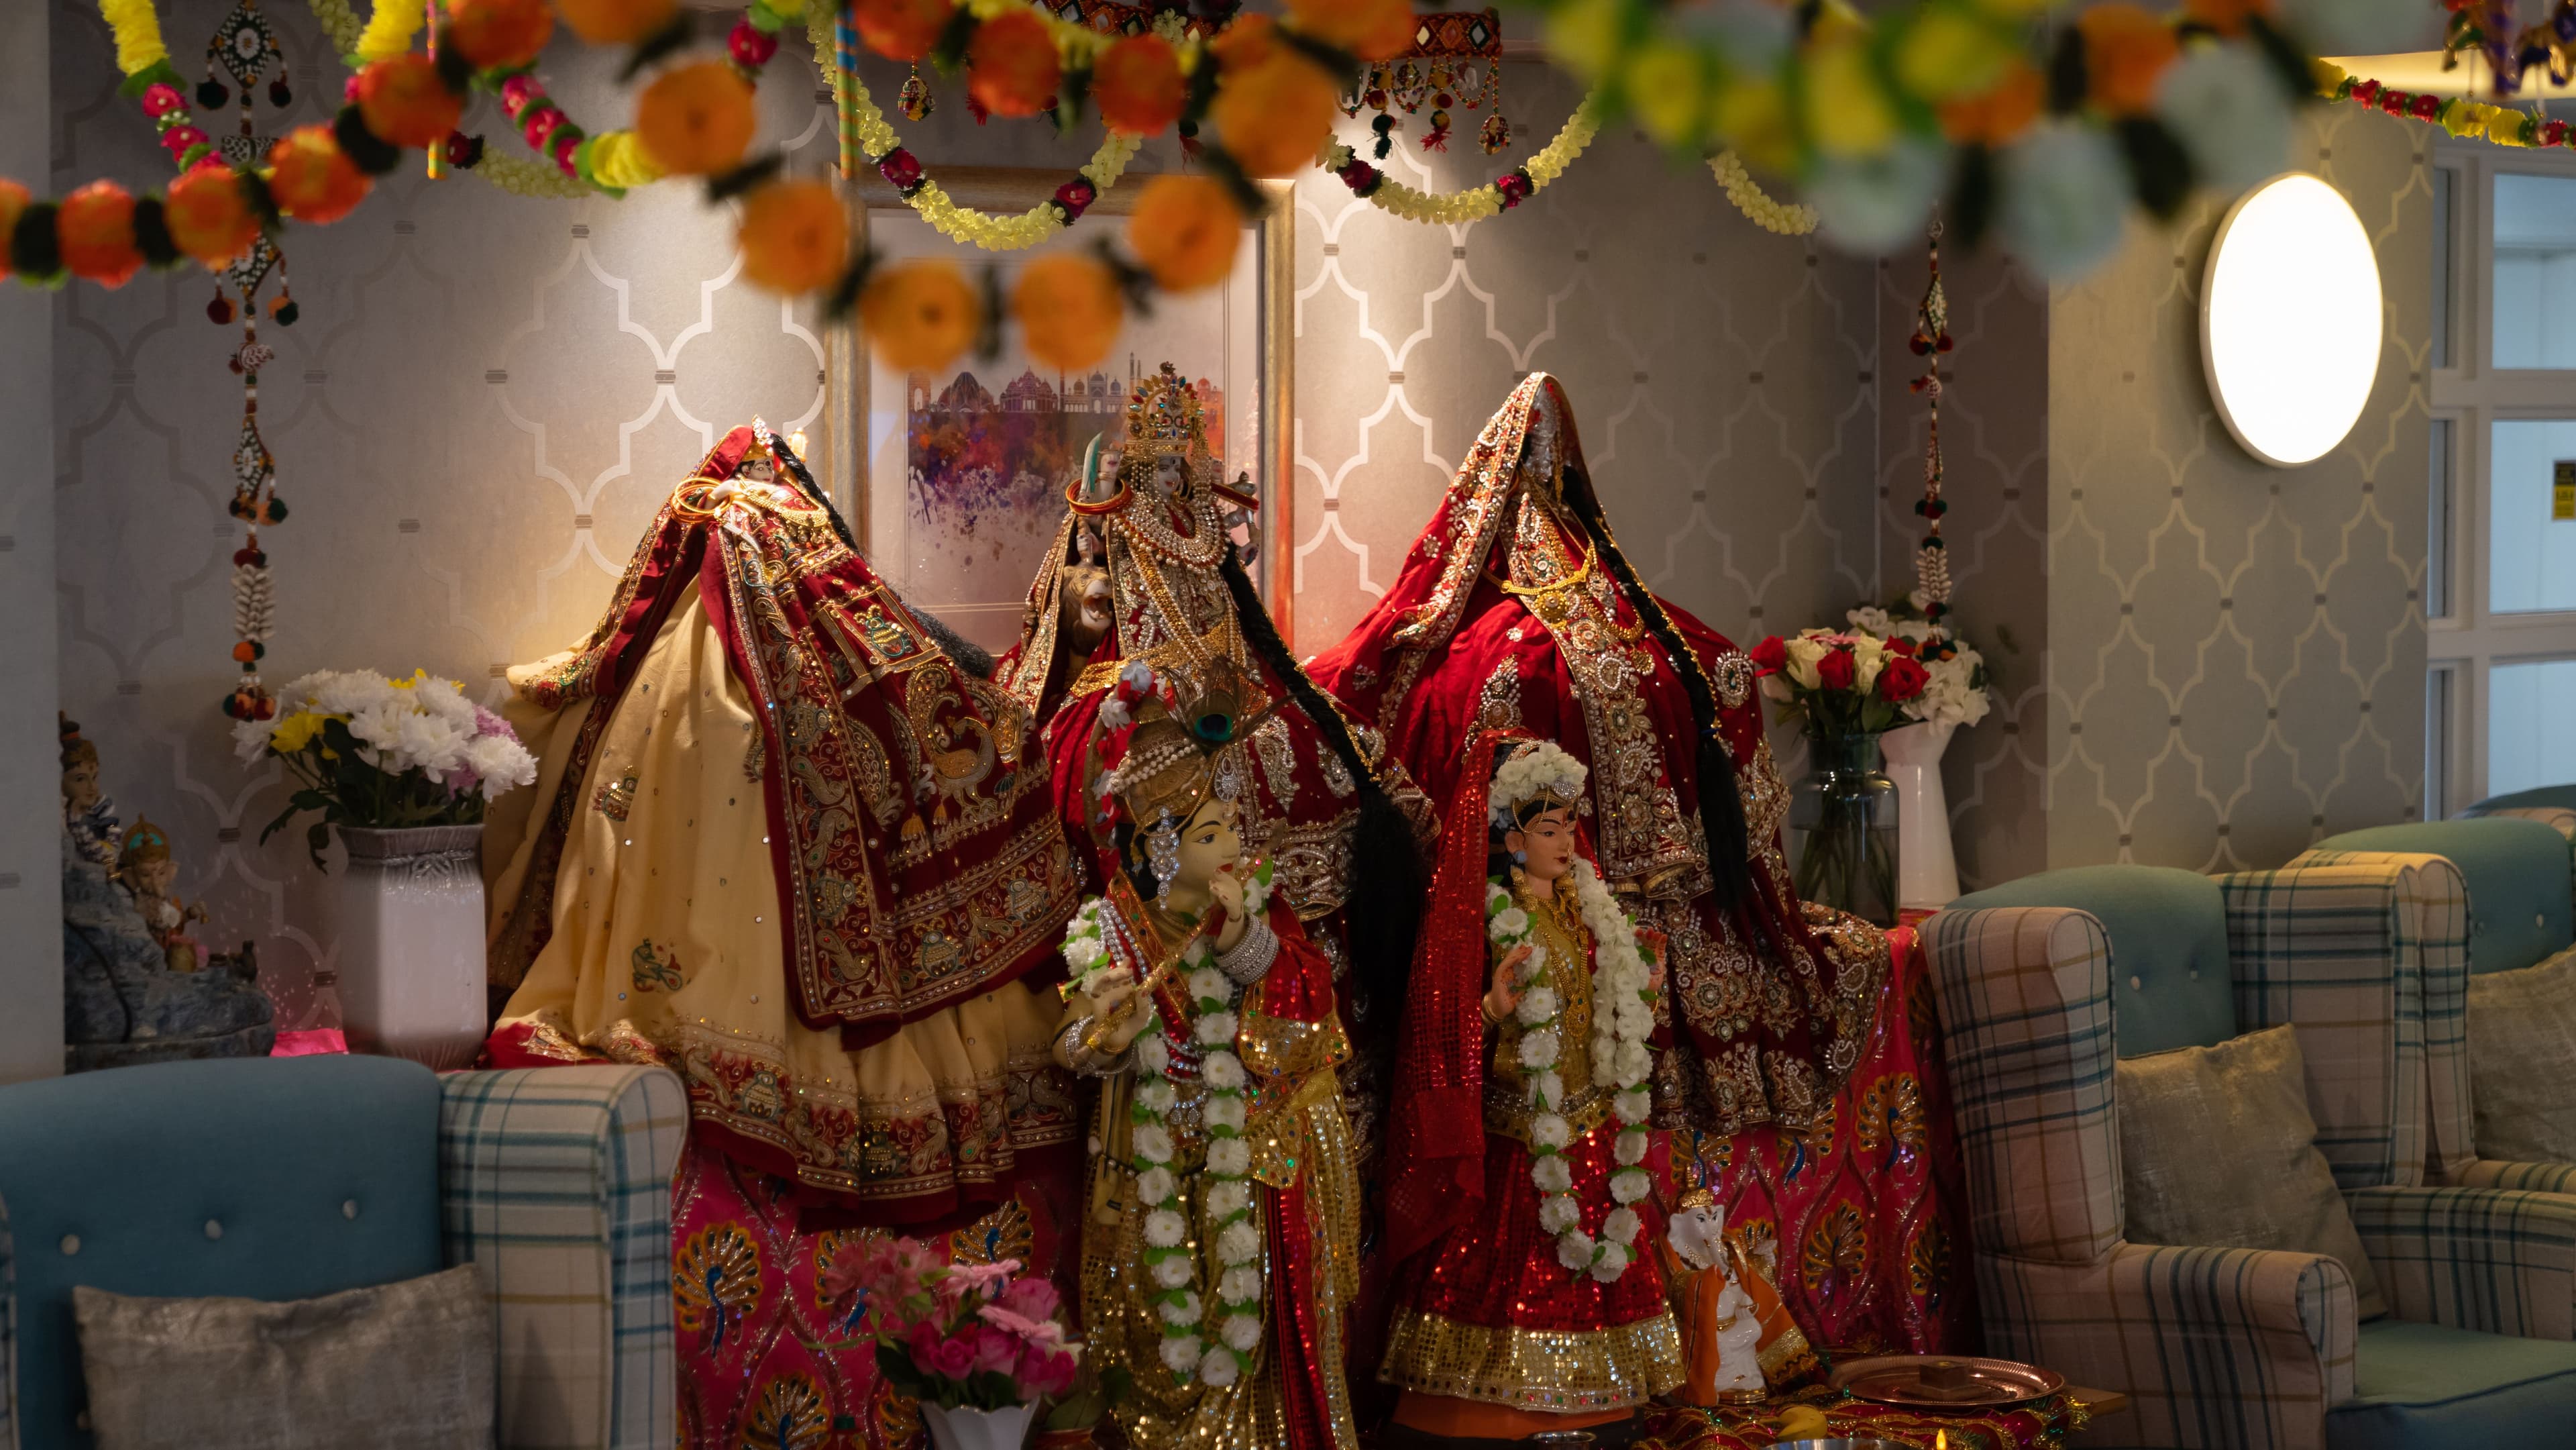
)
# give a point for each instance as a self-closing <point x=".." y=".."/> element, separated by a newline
<point x="2237" y="651"/>
<point x="487" y="396"/>
<point x="484" y="401"/>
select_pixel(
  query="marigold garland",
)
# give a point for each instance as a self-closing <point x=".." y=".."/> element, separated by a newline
<point x="2459" y="115"/>
<point x="1468" y="204"/>
<point x="390" y="29"/>
<point x="1784" y="218"/>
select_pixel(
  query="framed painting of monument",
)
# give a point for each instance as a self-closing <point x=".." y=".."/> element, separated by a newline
<point x="959" y="480"/>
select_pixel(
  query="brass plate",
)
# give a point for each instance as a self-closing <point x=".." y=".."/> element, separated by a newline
<point x="1984" y="1384"/>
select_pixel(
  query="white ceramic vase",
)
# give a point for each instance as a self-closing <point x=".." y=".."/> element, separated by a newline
<point x="408" y="911"/>
<point x="1927" y="874"/>
<point x="965" y="1429"/>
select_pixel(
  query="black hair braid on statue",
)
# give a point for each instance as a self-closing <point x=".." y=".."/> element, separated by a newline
<point x="1721" y="809"/>
<point x="1384" y="909"/>
<point x="779" y="451"/>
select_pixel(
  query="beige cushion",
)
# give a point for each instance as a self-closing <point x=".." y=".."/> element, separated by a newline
<point x="2218" y="1150"/>
<point x="403" y="1366"/>
<point x="2522" y="1061"/>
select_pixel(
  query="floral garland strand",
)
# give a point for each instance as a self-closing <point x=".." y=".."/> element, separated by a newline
<point x="1504" y="192"/>
<point x="865" y="132"/>
<point x="1168" y="1259"/>
<point x="2458" y="115"/>
<point x="1779" y="217"/>
<point x="1931" y="339"/>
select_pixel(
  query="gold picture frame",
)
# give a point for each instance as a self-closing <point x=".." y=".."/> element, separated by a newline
<point x="855" y="443"/>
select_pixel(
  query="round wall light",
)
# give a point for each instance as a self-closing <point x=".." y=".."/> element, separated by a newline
<point x="2289" y="319"/>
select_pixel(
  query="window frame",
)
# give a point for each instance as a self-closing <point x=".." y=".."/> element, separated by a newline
<point x="2472" y="395"/>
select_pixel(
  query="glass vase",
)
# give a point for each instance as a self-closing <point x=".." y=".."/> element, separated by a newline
<point x="1842" y="828"/>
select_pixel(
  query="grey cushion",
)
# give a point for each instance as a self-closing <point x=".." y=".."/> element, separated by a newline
<point x="2522" y="1062"/>
<point x="2217" y="1150"/>
<point x="403" y="1366"/>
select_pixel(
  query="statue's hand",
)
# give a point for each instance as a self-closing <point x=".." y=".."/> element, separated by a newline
<point x="1503" y="997"/>
<point x="1226" y="889"/>
<point x="1123" y="1024"/>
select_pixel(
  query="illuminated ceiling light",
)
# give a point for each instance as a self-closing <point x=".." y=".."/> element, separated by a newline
<point x="2289" y="319"/>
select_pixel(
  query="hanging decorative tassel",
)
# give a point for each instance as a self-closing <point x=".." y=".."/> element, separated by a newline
<point x="1931" y="339"/>
<point x="915" y="100"/>
<point x="1456" y="59"/>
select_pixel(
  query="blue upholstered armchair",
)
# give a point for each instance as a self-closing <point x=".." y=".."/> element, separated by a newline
<point x="292" y="1178"/>
<point x="2048" y="980"/>
<point x="2511" y="868"/>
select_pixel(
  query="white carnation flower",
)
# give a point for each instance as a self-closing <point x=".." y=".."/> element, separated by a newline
<point x="1612" y="1263"/>
<point x="1630" y="1184"/>
<point x="1549" y="1086"/>
<point x="1153" y="1143"/>
<point x="503" y="764"/>
<point x="1155" y="1185"/>
<point x="1185" y="1313"/>
<point x="1152" y="1055"/>
<point x="1238" y="1243"/>
<point x="1225" y="1111"/>
<point x="1537" y="1005"/>
<point x="1634" y="1018"/>
<point x="1157" y="1096"/>
<point x="1225" y="1200"/>
<point x="1216" y="1029"/>
<point x="1222" y="1071"/>
<point x="1231" y="1157"/>
<point x="1219" y="1368"/>
<point x="1574" y="1249"/>
<point x="1164" y="1229"/>
<point x="1173" y="1272"/>
<point x="1633" y="1105"/>
<point x="1181" y="1353"/>
<point x="1547" y="1130"/>
<point x="1082" y="952"/>
<point x="1539" y="1049"/>
<point x="1240" y="1284"/>
<point x="1509" y="922"/>
<point x="1557" y="1213"/>
<point x="251" y="737"/>
<point x="1242" y="1332"/>
<point x="1113" y="713"/>
<point x="1605" y="1053"/>
<point x="1630" y="1147"/>
<point x="1536" y="965"/>
<point x="1550" y="1173"/>
<point x="1634" y="1064"/>
<point x="1209" y="984"/>
<point x="1621" y="1226"/>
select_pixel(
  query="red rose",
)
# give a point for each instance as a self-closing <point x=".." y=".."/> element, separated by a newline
<point x="1836" y="670"/>
<point x="1771" y="656"/>
<point x="952" y="1358"/>
<point x="1901" y="679"/>
<point x="1900" y="645"/>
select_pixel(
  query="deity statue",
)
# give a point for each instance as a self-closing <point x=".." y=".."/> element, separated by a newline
<point x="1221" y="1254"/>
<point x="1524" y="1301"/>
<point x="1322" y="802"/>
<point x="788" y="840"/>
<point x="1737" y="1337"/>
<point x="133" y="988"/>
<point x="1516" y="609"/>
<point x="145" y="870"/>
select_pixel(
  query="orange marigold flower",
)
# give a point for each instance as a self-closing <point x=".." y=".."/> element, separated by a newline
<point x="1138" y="85"/>
<point x="404" y="102"/>
<point x="1068" y="309"/>
<point x="1185" y="230"/>
<point x="1360" y="26"/>
<point x="1247" y="42"/>
<point x="13" y="202"/>
<point x="794" y="236"/>
<point x="902" y="29"/>
<point x="616" y="22"/>
<point x="697" y="119"/>
<point x="1011" y="65"/>
<point x="1998" y="114"/>
<point x="920" y="316"/>
<point x="95" y="229"/>
<point x="499" y="33"/>
<point x="1274" y="117"/>
<point x="311" y="180"/>
<point x="2126" y="50"/>
<point x="208" y="216"/>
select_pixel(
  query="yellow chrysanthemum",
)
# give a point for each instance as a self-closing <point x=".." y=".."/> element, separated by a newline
<point x="1847" y="113"/>
<point x="1945" y="53"/>
<point x="299" y="730"/>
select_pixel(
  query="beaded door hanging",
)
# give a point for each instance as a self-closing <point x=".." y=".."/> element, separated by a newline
<point x="1456" y="59"/>
<point x="1930" y="341"/>
<point x="245" y="48"/>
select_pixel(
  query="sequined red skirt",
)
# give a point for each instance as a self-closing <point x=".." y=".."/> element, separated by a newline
<point x="1487" y="1312"/>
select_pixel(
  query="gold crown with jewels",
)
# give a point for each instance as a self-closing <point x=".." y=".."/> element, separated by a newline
<point x="1163" y="416"/>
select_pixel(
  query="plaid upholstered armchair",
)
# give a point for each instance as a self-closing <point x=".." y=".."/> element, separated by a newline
<point x="2045" y="982"/>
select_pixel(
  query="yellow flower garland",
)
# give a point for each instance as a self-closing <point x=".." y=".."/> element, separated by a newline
<point x="876" y="136"/>
<point x="138" y="34"/>
<point x="390" y="28"/>
<point x="1785" y="218"/>
<point x="1449" y="208"/>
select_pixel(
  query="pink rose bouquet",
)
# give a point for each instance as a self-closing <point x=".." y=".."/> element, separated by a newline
<point x="972" y="1336"/>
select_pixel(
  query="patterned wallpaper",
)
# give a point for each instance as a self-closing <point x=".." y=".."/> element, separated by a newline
<point x="482" y="405"/>
<point x="2237" y="662"/>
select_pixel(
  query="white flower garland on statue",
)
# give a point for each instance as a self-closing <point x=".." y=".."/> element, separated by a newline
<point x="1228" y="1200"/>
<point x="1622" y="1020"/>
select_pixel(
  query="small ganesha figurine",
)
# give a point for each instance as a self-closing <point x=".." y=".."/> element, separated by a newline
<point x="1737" y="1336"/>
<point x="144" y="866"/>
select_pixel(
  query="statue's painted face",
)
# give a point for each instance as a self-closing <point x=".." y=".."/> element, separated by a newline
<point x="1170" y="471"/>
<point x="80" y="786"/>
<point x="154" y="878"/>
<point x="1546" y="843"/>
<point x="1209" y="842"/>
<point x="1697" y="1233"/>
